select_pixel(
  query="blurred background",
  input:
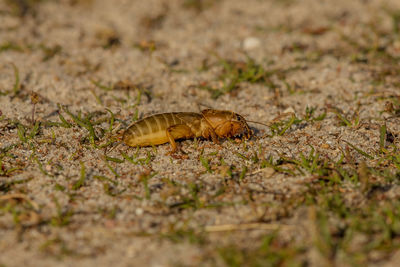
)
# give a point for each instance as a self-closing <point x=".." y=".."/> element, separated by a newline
<point x="319" y="186"/>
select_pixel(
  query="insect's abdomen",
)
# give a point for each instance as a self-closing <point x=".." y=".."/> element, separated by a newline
<point x="152" y="130"/>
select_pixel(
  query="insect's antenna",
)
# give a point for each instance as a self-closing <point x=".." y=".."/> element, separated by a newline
<point x="199" y="105"/>
<point x="118" y="137"/>
<point x="259" y="123"/>
<point x="114" y="147"/>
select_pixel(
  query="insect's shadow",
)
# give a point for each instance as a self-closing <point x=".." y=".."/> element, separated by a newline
<point x="255" y="131"/>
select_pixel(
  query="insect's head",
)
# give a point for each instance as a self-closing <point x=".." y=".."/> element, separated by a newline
<point x="243" y="125"/>
<point x="227" y="123"/>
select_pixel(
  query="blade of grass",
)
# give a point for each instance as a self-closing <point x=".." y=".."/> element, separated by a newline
<point x="17" y="86"/>
<point x="112" y="119"/>
<point x="382" y="137"/>
<point x="290" y="123"/>
<point x="365" y="154"/>
<point x="112" y="169"/>
<point x="82" y="179"/>
<point x="103" y="178"/>
<point x="241" y="156"/>
<point x="21" y="133"/>
<point x="103" y="87"/>
<point x="41" y="166"/>
<point x="342" y="118"/>
<point x="64" y="123"/>
<point x="84" y="123"/>
<point x="205" y="163"/>
<point x="243" y="173"/>
<point x="35" y="130"/>
<point x="117" y="160"/>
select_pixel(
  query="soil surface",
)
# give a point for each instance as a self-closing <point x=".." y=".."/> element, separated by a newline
<point x="317" y="185"/>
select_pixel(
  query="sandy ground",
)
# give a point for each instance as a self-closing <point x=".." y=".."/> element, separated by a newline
<point x="67" y="199"/>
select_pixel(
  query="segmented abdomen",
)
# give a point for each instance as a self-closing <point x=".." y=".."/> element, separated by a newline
<point x="152" y="130"/>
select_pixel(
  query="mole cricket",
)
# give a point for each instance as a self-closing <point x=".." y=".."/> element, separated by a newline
<point x="167" y="127"/>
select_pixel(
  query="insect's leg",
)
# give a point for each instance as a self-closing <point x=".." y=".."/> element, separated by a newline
<point x="214" y="136"/>
<point x="224" y="129"/>
<point x="209" y="132"/>
<point x="172" y="142"/>
<point x="176" y="132"/>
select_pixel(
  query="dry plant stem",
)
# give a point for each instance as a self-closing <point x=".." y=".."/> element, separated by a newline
<point x="34" y="100"/>
<point x="20" y="196"/>
<point x="246" y="226"/>
<point x="33" y="114"/>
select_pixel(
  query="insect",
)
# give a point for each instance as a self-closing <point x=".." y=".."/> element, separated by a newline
<point x="168" y="127"/>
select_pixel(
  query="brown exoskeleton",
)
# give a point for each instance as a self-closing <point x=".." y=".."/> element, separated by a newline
<point x="168" y="127"/>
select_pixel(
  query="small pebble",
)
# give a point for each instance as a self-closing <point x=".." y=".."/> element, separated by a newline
<point x="289" y="110"/>
<point x="325" y="146"/>
<point x="139" y="211"/>
<point x="250" y="43"/>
